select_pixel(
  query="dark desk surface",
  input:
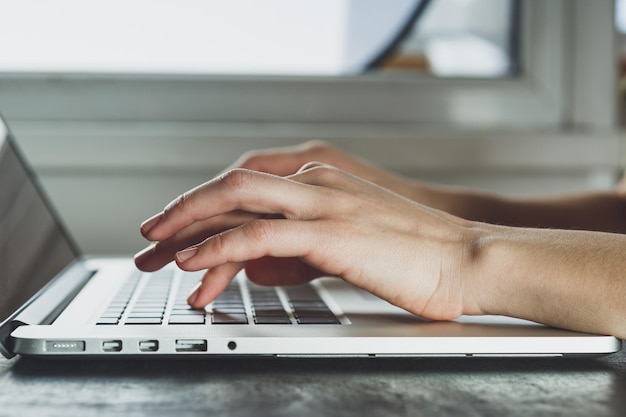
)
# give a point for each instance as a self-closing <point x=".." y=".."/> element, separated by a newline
<point x="315" y="387"/>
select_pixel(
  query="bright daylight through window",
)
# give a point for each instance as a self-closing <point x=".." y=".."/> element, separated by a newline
<point x="464" y="38"/>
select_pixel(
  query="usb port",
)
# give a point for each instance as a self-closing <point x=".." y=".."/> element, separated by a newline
<point x="112" y="345"/>
<point x="191" y="345"/>
<point x="149" y="345"/>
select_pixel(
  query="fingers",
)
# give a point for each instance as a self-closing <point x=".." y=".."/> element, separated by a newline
<point x="160" y="253"/>
<point x="213" y="284"/>
<point x="236" y="190"/>
<point x="321" y="174"/>
<point x="256" y="239"/>
<point x="280" y="266"/>
<point x="274" y="193"/>
<point x="263" y="271"/>
<point x="234" y="237"/>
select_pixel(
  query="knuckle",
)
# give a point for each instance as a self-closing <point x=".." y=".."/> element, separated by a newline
<point x="179" y="205"/>
<point x="259" y="230"/>
<point x="236" y="180"/>
<point x="219" y="244"/>
<point x="327" y="174"/>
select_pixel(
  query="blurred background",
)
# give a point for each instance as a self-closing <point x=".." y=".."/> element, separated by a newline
<point x="121" y="106"/>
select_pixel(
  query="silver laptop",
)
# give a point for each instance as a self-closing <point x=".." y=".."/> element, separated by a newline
<point x="55" y="302"/>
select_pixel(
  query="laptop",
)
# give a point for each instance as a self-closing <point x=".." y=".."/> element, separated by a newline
<point x="55" y="302"/>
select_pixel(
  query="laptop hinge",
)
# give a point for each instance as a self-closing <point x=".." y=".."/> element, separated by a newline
<point x="47" y="304"/>
<point x="6" y="341"/>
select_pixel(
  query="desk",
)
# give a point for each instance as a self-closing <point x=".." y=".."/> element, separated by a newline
<point x="315" y="387"/>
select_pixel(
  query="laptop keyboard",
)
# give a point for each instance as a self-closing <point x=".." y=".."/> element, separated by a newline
<point x="160" y="298"/>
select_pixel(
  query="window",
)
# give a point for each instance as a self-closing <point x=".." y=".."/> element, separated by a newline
<point x="247" y="37"/>
<point x="234" y="37"/>
<point x="538" y="97"/>
<point x="461" y="38"/>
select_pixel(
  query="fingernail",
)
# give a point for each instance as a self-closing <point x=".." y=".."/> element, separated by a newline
<point x="150" y="223"/>
<point x="186" y="254"/>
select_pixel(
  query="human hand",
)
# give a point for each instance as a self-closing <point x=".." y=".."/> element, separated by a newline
<point x="318" y="221"/>
<point x="288" y="160"/>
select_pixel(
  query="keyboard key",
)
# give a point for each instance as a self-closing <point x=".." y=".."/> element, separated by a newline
<point x="302" y="293"/>
<point x="160" y="305"/>
<point x="188" y="311"/>
<point x="181" y="306"/>
<point x="187" y="319"/>
<point x="309" y="305"/>
<point x="110" y="316"/>
<point x="272" y="320"/>
<point x="276" y="303"/>
<point x="147" y="309"/>
<point x="230" y="310"/>
<point x="144" y="320"/>
<point x="318" y="320"/>
<point x="317" y="312"/>
<point x="227" y="303"/>
<point x="269" y="312"/>
<point x="139" y="314"/>
<point x="107" y="320"/>
<point x="112" y="313"/>
<point x="222" y="318"/>
<point x="118" y="304"/>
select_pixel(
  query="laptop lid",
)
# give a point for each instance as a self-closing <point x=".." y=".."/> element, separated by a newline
<point x="34" y="245"/>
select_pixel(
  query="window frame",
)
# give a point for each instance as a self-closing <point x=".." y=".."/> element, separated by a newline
<point x="567" y="86"/>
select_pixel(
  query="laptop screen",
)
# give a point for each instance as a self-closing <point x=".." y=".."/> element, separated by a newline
<point x="33" y="246"/>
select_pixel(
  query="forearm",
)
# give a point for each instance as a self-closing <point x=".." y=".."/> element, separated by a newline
<point x="569" y="279"/>
<point x="600" y="211"/>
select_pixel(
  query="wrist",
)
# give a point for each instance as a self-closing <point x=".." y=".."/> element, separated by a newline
<point x="507" y="271"/>
<point x="482" y="245"/>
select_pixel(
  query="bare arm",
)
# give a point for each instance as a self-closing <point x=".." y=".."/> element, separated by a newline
<point x="601" y="211"/>
<point x="568" y="279"/>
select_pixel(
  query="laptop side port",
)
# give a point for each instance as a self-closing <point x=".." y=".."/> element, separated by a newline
<point x="65" y="346"/>
<point x="112" y="346"/>
<point x="191" y="345"/>
<point x="148" y="345"/>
